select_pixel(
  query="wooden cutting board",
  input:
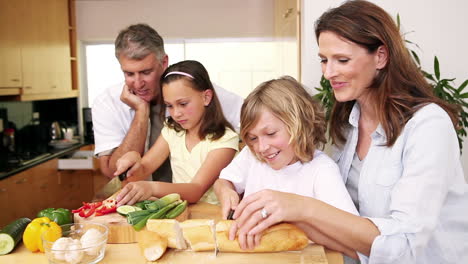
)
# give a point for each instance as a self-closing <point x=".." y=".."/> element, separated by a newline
<point x="120" y="232"/>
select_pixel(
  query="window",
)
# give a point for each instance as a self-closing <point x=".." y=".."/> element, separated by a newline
<point x="238" y="65"/>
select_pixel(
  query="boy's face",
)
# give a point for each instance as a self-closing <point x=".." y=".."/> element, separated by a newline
<point x="269" y="139"/>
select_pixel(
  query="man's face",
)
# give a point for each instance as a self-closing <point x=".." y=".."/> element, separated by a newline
<point x="142" y="76"/>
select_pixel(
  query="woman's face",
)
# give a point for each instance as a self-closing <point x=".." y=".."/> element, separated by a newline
<point x="269" y="139"/>
<point x="349" y="67"/>
<point x="185" y="104"/>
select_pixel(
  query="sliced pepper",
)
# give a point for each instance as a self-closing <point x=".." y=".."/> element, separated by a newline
<point x="32" y="234"/>
<point x="106" y="210"/>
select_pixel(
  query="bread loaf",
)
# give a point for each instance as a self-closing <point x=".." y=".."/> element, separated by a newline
<point x="169" y="229"/>
<point x="151" y="244"/>
<point x="199" y="234"/>
<point x="280" y="237"/>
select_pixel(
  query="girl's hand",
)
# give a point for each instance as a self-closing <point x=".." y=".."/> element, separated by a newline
<point x="134" y="192"/>
<point x="279" y="206"/>
<point x="131" y="160"/>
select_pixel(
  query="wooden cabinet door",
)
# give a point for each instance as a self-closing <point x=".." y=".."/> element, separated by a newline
<point x="46" y="50"/>
<point x="10" y="38"/>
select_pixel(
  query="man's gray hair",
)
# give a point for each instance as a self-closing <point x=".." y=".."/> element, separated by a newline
<point x="137" y="41"/>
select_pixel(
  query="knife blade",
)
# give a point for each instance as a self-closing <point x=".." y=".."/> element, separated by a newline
<point x="111" y="187"/>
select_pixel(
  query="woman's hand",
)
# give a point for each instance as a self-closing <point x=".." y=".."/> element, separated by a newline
<point x="250" y="223"/>
<point x="134" y="192"/>
<point x="131" y="160"/>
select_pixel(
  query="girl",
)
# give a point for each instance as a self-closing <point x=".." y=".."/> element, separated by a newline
<point x="196" y="137"/>
<point x="283" y="126"/>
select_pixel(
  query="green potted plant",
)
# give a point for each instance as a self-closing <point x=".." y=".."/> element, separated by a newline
<point x="443" y="88"/>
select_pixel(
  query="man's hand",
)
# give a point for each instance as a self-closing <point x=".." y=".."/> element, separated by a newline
<point x="129" y="98"/>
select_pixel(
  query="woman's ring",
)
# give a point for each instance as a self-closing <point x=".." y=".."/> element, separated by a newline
<point x="264" y="213"/>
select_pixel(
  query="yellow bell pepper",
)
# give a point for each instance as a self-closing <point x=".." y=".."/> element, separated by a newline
<point x="32" y="234"/>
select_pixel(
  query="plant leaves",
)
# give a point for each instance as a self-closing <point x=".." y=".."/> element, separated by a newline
<point x="462" y="86"/>
<point x="436" y="68"/>
<point x="416" y="58"/>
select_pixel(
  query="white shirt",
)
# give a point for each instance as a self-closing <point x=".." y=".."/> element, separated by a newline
<point x="414" y="192"/>
<point x="112" y="118"/>
<point x="318" y="178"/>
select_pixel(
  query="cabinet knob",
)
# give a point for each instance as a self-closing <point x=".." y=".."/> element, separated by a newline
<point x="15" y="80"/>
<point x="54" y="86"/>
<point x="2" y="190"/>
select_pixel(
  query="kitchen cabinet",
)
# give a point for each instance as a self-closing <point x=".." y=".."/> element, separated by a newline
<point x="35" y="48"/>
<point x="42" y="186"/>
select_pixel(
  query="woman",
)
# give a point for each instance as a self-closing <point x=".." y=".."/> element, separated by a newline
<point x="397" y="151"/>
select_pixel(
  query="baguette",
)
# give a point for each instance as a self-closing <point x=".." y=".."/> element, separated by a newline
<point x="199" y="233"/>
<point x="168" y="229"/>
<point x="152" y="245"/>
<point x="280" y="237"/>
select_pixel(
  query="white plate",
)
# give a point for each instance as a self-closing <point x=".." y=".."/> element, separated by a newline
<point x="63" y="143"/>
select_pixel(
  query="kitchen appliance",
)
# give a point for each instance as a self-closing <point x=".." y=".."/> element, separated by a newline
<point x="56" y="130"/>
<point x="88" y="125"/>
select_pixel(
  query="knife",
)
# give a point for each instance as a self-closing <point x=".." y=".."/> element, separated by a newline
<point x="111" y="187"/>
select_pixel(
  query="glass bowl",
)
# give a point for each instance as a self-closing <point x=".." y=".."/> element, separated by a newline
<point x="82" y="243"/>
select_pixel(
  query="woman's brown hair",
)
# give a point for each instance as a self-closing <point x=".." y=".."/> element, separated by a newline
<point x="287" y="99"/>
<point x="399" y="89"/>
<point x="213" y="122"/>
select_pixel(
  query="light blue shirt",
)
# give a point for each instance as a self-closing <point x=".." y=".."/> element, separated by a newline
<point x="414" y="192"/>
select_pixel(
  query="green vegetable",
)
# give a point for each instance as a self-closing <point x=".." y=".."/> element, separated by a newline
<point x="176" y="211"/>
<point x="60" y="216"/>
<point x="156" y="215"/>
<point x="125" y="209"/>
<point x="12" y="234"/>
<point x="141" y="204"/>
<point x="164" y="201"/>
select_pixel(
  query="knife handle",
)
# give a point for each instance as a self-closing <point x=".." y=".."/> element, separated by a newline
<point x="231" y="213"/>
<point x="123" y="176"/>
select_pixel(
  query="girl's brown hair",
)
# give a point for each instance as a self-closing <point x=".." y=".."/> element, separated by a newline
<point x="213" y="122"/>
<point x="298" y="110"/>
<point x="399" y="89"/>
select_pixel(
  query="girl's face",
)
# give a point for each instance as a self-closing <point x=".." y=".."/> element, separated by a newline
<point x="349" y="67"/>
<point x="269" y="139"/>
<point x="185" y="104"/>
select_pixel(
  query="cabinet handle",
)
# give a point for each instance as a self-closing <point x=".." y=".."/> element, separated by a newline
<point x="27" y="87"/>
<point x="54" y="86"/>
<point x="21" y="181"/>
<point x="15" y="80"/>
<point x="43" y="186"/>
<point x="2" y="190"/>
<point x="288" y="12"/>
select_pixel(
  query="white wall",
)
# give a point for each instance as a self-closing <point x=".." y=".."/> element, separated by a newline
<point x="103" y="19"/>
<point x="439" y="29"/>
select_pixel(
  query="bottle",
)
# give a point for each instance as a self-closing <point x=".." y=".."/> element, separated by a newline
<point x="9" y="139"/>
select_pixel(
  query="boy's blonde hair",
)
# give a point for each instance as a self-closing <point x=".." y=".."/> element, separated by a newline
<point x="298" y="110"/>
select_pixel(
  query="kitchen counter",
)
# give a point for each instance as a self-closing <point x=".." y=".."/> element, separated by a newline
<point x="130" y="253"/>
<point x="52" y="154"/>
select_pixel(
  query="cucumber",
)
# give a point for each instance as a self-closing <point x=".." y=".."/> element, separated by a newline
<point x="125" y="209"/>
<point x="12" y="234"/>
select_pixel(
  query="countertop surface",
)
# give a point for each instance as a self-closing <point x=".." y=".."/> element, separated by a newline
<point x="51" y="154"/>
<point x="130" y="253"/>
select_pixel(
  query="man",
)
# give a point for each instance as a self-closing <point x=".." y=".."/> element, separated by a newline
<point x="123" y="117"/>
